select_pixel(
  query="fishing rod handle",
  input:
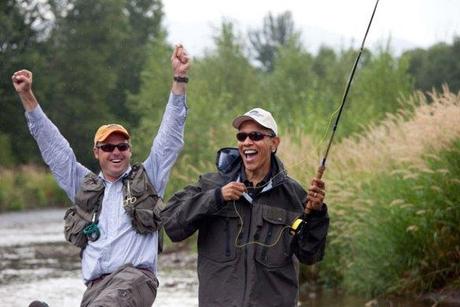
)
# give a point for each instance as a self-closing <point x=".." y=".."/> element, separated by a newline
<point x="319" y="175"/>
<point x="320" y="172"/>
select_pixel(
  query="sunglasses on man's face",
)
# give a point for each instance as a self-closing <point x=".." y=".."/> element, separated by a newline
<point x="111" y="147"/>
<point x="253" y="136"/>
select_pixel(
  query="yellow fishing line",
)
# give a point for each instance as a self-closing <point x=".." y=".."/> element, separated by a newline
<point x="255" y="242"/>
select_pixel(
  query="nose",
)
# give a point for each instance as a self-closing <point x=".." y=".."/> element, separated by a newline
<point x="248" y="141"/>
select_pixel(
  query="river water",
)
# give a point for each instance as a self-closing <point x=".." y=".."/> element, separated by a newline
<point x="37" y="264"/>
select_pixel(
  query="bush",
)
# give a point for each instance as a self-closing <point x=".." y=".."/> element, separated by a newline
<point x="29" y="187"/>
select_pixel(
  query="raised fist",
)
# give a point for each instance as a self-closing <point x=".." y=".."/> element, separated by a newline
<point x="22" y="81"/>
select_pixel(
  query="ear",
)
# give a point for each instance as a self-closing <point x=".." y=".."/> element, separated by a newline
<point x="275" y="143"/>
<point x="96" y="153"/>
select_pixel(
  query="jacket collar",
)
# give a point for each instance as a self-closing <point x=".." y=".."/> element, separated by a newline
<point x="230" y="164"/>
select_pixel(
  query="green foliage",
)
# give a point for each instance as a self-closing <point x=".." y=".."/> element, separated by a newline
<point x="151" y="100"/>
<point x="435" y="66"/>
<point x="6" y="153"/>
<point x="81" y="70"/>
<point x="290" y="85"/>
<point x="382" y="81"/>
<point x="29" y="187"/>
<point x="19" y="48"/>
<point x="144" y="26"/>
<point x="409" y="239"/>
<point x="276" y="32"/>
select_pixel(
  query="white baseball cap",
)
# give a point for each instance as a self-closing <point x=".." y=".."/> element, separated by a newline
<point x="260" y="116"/>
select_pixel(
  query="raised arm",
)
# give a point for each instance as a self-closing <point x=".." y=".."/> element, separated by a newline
<point x="54" y="148"/>
<point x="170" y="138"/>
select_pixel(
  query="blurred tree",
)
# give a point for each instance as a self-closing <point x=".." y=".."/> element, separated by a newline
<point x="150" y="102"/>
<point x="80" y="69"/>
<point x="19" y="45"/>
<point x="290" y="86"/>
<point x="379" y="86"/>
<point x="435" y="66"/>
<point x="144" y="25"/>
<point x="226" y="71"/>
<point x="222" y="84"/>
<point x="276" y="31"/>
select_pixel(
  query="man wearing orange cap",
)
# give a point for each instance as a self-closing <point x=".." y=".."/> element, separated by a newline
<point x="115" y="217"/>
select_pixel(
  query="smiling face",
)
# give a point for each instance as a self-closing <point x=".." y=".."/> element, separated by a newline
<point x="256" y="155"/>
<point x="113" y="164"/>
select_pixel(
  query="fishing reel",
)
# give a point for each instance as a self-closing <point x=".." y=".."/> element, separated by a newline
<point x="91" y="231"/>
<point x="297" y="226"/>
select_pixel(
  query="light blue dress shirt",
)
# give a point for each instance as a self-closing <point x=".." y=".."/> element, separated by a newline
<point x="119" y="243"/>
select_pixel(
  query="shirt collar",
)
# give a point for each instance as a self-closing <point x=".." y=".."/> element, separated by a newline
<point x="264" y="181"/>
<point x="125" y="174"/>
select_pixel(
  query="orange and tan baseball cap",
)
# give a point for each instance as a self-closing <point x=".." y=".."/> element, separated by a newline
<point x="105" y="130"/>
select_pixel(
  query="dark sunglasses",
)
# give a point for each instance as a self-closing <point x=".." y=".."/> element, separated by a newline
<point x="111" y="147"/>
<point x="253" y="136"/>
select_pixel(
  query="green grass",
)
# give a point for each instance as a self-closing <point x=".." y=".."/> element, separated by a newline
<point x="410" y="239"/>
<point x="29" y="187"/>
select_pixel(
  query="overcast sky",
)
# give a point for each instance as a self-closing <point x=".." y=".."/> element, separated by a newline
<point x="336" y="23"/>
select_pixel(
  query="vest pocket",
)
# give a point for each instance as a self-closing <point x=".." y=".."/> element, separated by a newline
<point x="73" y="227"/>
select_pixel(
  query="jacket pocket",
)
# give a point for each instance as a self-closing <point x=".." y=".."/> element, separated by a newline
<point x="73" y="227"/>
<point x="274" y="234"/>
<point x="216" y="239"/>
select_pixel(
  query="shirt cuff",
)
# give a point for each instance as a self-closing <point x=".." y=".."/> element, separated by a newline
<point x="218" y="196"/>
<point x="178" y="100"/>
<point x="35" y="114"/>
<point x="316" y="213"/>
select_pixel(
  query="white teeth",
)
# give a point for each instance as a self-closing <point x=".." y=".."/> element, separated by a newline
<point x="116" y="161"/>
<point x="250" y="151"/>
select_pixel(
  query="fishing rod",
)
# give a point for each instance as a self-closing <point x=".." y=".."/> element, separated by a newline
<point x="322" y="167"/>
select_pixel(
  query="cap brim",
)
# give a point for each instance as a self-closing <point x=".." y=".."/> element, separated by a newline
<point x="240" y="119"/>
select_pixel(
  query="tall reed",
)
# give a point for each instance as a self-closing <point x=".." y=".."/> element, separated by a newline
<point x="372" y="179"/>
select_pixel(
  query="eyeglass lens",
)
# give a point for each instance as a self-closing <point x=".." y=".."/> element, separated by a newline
<point x="111" y="147"/>
<point x="253" y="136"/>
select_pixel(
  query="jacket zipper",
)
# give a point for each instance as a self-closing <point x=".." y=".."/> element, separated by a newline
<point x="227" y="237"/>
<point x="267" y="241"/>
<point x="245" y="250"/>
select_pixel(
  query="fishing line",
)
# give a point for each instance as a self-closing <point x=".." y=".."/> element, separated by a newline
<point x="322" y="167"/>
<point x="331" y="117"/>
<point x="280" y="233"/>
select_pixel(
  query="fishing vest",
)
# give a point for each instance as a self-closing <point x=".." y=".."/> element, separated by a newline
<point x="140" y="201"/>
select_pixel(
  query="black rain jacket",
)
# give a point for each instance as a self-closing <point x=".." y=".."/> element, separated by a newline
<point x="232" y="269"/>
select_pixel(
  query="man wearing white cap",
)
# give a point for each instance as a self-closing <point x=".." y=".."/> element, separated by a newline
<point x="115" y="217"/>
<point x="254" y="222"/>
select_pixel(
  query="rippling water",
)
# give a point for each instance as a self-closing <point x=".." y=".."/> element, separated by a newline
<point x="37" y="264"/>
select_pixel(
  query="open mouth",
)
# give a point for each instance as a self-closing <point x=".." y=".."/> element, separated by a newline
<point x="250" y="154"/>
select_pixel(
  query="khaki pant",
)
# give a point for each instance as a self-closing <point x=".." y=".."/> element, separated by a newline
<point x="126" y="287"/>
